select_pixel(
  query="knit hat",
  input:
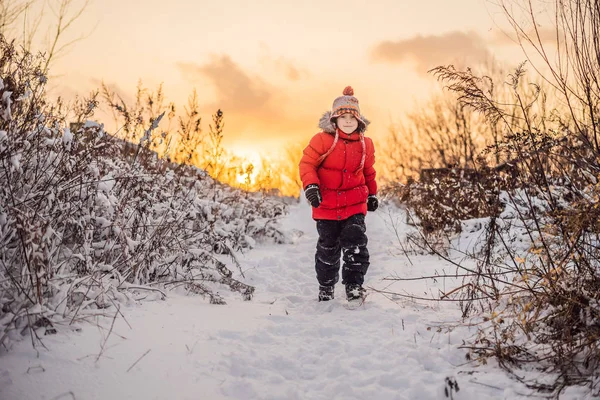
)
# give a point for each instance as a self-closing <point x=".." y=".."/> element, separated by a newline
<point x="347" y="103"/>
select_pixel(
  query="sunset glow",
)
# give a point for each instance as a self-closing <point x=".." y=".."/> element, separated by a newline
<point x="273" y="68"/>
<point x="251" y="166"/>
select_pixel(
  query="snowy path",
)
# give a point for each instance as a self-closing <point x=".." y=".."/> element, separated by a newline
<point x="282" y="345"/>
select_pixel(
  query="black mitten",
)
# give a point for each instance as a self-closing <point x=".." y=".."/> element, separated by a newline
<point x="313" y="195"/>
<point x="372" y="203"/>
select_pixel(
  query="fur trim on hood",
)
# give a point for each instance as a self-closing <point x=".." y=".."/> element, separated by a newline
<point x="327" y="126"/>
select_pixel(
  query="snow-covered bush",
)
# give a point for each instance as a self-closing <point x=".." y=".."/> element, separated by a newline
<point x="539" y="276"/>
<point x="531" y="262"/>
<point x="532" y="274"/>
<point x="83" y="224"/>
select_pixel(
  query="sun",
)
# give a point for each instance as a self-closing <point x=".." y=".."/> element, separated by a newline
<point x="250" y="166"/>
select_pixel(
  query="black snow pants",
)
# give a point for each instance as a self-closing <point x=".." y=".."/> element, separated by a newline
<point x="347" y="237"/>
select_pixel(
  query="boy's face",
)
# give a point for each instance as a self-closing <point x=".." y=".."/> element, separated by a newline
<point x="347" y="123"/>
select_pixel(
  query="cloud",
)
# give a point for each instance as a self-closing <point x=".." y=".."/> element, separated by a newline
<point x="236" y="90"/>
<point x="430" y="51"/>
<point x="281" y="65"/>
<point x="256" y="111"/>
<point x="288" y="69"/>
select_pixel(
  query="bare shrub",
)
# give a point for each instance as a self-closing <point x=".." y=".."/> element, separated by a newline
<point x="443" y="197"/>
<point x="446" y="133"/>
<point x="535" y="285"/>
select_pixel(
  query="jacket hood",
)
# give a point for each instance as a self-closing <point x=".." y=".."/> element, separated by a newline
<point x="327" y="126"/>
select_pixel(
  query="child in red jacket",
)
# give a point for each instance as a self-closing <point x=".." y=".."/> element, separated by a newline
<point x="339" y="182"/>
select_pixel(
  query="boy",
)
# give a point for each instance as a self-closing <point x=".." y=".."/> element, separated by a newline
<point x="338" y="177"/>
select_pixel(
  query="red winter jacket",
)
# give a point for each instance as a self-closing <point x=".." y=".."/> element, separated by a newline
<point x="344" y="189"/>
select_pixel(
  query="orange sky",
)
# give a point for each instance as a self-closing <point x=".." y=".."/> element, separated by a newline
<point x="274" y="66"/>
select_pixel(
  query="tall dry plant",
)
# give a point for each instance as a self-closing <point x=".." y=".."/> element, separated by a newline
<point x="22" y="20"/>
<point x="570" y="61"/>
<point x="213" y="161"/>
<point x="134" y="121"/>
<point x="10" y="12"/>
<point x="290" y="183"/>
<point x="189" y="147"/>
<point x="439" y="134"/>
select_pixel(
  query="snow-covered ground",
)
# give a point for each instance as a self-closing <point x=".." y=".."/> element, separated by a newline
<point x="281" y="345"/>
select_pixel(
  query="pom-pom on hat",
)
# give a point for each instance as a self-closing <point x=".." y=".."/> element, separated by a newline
<point x="347" y="103"/>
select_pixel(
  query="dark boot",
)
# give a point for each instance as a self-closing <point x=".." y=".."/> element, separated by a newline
<point x="354" y="291"/>
<point x="325" y="293"/>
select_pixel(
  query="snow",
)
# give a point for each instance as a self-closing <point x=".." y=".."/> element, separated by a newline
<point x="281" y="345"/>
<point x="7" y="114"/>
<point x="25" y="95"/>
<point x="15" y="161"/>
<point x="91" y="124"/>
<point x="3" y="137"/>
<point x="106" y="184"/>
<point x="152" y="127"/>
<point x="67" y="136"/>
